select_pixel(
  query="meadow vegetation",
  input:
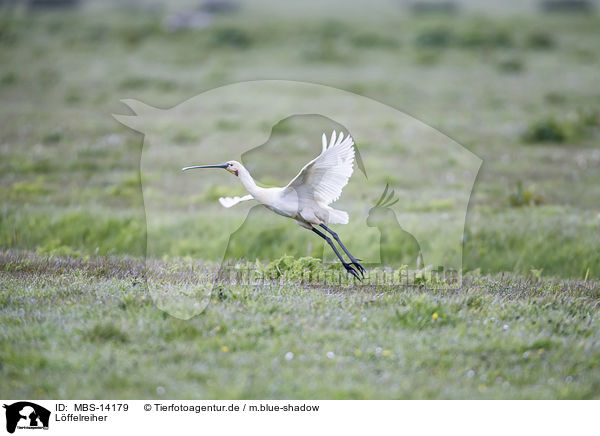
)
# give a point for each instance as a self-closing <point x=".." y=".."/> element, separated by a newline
<point x="70" y="176"/>
<point x="89" y="329"/>
<point x="520" y="90"/>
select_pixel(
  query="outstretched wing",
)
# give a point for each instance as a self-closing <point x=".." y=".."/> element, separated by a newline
<point x="228" y="201"/>
<point x="323" y="178"/>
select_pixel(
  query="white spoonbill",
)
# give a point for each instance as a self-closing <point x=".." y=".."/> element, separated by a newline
<point x="307" y="197"/>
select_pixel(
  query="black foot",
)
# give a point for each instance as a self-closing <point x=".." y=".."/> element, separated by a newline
<point x="361" y="269"/>
<point x="351" y="270"/>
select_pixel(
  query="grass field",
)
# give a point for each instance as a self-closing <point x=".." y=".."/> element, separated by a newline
<point x="517" y="87"/>
<point x="88" y="329"/>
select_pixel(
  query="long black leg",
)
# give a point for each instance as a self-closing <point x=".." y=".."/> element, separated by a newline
<point x="337" y="253"/>
<point x="353" y="260"/>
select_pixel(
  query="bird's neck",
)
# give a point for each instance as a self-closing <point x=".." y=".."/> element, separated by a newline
<point x="248" y="181"/>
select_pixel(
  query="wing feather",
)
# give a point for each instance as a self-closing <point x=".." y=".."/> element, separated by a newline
<point x="323" y="178"/>
<point x="228" y="201"/>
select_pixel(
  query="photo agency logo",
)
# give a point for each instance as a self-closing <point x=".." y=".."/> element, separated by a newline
<point x="24" y="415"/>
<point x="380" y="197"/>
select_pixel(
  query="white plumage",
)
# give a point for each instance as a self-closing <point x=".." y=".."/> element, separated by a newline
<point x="307" y="197"/>
<point x="321" y="181"/>
<point x="325" y="176"/>
<point x="227" y="202"/>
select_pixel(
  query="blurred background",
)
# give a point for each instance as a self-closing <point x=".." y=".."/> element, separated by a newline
<point x="514" y="82"/>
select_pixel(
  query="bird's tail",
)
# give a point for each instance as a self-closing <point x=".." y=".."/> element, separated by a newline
<point x="337" y="216"/>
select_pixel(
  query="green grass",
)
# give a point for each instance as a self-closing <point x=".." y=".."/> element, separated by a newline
<point x="520" y="91"/>
<point x="89" y="329"/>
<point x="70" y="174"/>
